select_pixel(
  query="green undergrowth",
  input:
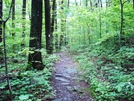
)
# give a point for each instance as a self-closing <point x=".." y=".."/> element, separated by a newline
<point x="110" y="73"/>
<point x="30" y="85"/>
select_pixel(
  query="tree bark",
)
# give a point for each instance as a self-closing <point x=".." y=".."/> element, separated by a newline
<point x="56" y="36"/>
<point x="1" y="9"/>
<point x="1" y="3"/>
<point x="53" y="16"/>
<point x="13" y="18"/>
<point x="49" y="46"/>
<point x="62" y="26"/>
<point x="23" y="22"/>
<point x="35" y="57"/>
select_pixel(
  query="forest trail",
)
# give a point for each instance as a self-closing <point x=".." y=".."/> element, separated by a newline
<point x="66" y="81"/>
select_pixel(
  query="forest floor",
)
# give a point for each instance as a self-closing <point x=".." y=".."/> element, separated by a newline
<point x="66" y="80"/>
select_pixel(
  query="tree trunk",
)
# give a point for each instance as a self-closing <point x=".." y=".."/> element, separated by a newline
<point x="61" y="41"/>
<point x="56" y="36"/>
<point x="35" y="58"/>
<point x="23" y="22"/>
<point x="1" y="20"/>
<point x="121" y="24"/>
<point x="49" y="46"/>
<point x="76" y="2"/>
<point x="91" y="5"/>
<point x="13" y="17"/>
<point x="68" y="3"/>
<point x="100" y="6"/>
<point x="106" y="3"/>
<point x="63" y="21"/>
<point x="86" y="3"/>
<point x="1" y="57"/>
<point x="53" y="16"/>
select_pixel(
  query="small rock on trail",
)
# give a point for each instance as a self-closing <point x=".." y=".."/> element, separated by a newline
<point x="66" y="83"/>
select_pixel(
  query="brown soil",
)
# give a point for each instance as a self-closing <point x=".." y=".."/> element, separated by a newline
<point x="66" y="82"/>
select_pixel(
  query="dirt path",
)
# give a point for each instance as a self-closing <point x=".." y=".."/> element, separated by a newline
<point x="66" y="81"/>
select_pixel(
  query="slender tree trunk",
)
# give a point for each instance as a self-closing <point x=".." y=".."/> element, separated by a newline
<point x="5" y="50"/>
<point x="5" y="59"/>
<point x="106" y="3"/>
<point x="86" y="3"/>
<point x="63" y="40"/>
<point x="91" y="5"/>
<point x="1" y="9"/>
<point x="101" y="3"/>
<point x="13" y="26"/>
<point x="1" y="3"/>
<point x="49" y="46"/>
<point x="23" y="22"/>
<point x="62" y="26"/>
<point x="35" y="57"/>
<point x="56" y="36"/>
<point x="76" y="2"/>
<point x="121" y="24"/>
<point x="100" y="6"/>
<point x="53" y="16"/>
<point x="68" y="3"/>
<point x="13" y="18"/>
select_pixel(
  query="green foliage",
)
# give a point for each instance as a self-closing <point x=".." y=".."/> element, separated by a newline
<point x="107" y="67"/>
<point x="108" y="81"/>
<point x="29" y="85"/>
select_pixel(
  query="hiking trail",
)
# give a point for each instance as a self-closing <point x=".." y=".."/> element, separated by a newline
<point x="66" y="82"/>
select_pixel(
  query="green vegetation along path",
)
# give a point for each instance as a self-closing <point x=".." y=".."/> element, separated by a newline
<point x="66" y="81"/>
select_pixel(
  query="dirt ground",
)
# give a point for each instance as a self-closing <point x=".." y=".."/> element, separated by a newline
<point x="66" y="82"/>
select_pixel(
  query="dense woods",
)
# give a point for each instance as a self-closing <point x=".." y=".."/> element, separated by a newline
<point x="99" y="35"/>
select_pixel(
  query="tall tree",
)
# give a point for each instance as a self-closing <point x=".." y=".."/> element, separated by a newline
<point x="35" y="57"/>
<point x="121" y="39"/>
<point x="86" y="3"/>
<point x="53" y="15"/>
<point x="49" y="46"/>
<point x="62" y="24"/>
<point x="56" y="22"/>
<point x="13" y="18"/>
<point x="91" y="4"/>
<point x="100" y="6"/>
<point x="23" y="22"/>
<point x="1" y="20"/>
<point x="68" y="3"/>
<point x="1" y="28"/>
<point x="76" y="2"/>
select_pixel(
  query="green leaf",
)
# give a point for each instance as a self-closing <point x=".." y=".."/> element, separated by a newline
<point x="24" y="97"/>
<point x="119" y="89"/>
